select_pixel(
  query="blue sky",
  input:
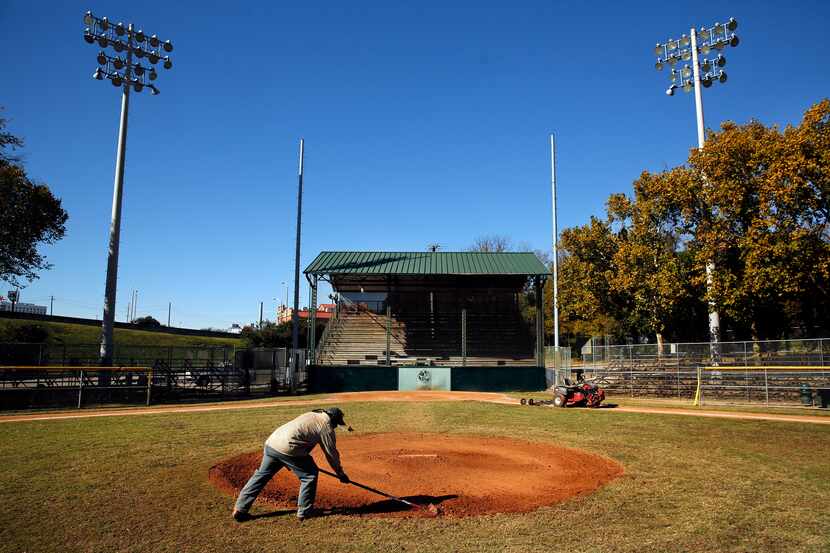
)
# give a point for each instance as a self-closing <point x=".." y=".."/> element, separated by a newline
<point x="424" y="122"/>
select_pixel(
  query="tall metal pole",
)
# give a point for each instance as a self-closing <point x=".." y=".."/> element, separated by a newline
<point x="260" y="315"/>
<point x="714" y="319"/>
<point x="295" y="315"/>
<point x="115" y="226"/>
<point x="555" y="248"/>
<point x="169" y="310"/>
<point x="51" y="305"/>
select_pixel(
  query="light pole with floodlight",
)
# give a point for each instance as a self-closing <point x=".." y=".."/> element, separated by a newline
<point x="686" y="48"/>
<point x="126" y="75"/>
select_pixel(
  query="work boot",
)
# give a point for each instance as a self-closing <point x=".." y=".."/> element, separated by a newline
<point x="310" y="513"/>
<point x="241" y="516"/>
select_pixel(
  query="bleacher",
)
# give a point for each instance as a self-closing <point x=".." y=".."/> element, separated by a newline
<point x="359" y="338"/>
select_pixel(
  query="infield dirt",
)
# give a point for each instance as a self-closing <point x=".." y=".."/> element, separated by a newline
<point x="462" y="475"/>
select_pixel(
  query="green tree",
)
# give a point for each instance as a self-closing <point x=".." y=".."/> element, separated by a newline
<point x="30" y="216"/>
<point x="754" y="201"/>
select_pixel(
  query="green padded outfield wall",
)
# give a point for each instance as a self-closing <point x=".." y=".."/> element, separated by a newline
<point x="498" y="379"/>
<point x="359" y="378"/>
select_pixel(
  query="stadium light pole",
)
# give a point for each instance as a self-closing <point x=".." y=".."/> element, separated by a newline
<point x="295" y="315"/>
<point x="555" y="251"/>
<point x="686" y="48"/>
<point x="126" y="75"/>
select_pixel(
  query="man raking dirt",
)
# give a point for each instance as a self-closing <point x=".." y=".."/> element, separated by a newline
<point x="290" y="446"/>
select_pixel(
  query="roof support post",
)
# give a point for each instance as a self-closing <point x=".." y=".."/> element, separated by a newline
<point x="540" y="322"/>
<point x="312" y="322"/>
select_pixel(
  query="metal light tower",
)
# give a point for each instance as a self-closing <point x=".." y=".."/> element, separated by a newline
<point x="686" y="48"/>
<point x="123" y="73"/>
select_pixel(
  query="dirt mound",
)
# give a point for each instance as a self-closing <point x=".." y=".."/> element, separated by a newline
<point x="463" y="475"/>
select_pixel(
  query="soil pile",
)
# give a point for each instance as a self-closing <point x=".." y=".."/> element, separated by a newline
<point x="462" y="475"/>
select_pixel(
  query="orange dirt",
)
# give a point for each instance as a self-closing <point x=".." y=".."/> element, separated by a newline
<point x="462" y="475"/>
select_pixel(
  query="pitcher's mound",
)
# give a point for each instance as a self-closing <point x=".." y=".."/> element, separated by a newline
<point x="462" y="475"/>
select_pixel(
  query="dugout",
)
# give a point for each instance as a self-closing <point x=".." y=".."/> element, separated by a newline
<point x="428" y="320"/>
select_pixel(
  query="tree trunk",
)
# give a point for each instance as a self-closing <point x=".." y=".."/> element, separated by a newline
<point x="659" y="344"/>
<point x="756" y="346"/>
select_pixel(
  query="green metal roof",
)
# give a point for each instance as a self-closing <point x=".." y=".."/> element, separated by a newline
<point x="426" y="263"/>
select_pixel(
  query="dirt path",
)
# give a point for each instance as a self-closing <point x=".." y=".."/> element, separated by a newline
<point x="392" y="396"/>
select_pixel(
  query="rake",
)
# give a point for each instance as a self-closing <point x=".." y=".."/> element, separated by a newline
<point x="431" y="508"/>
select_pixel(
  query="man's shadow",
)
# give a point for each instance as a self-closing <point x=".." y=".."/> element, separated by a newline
<point x="377" y="507"/>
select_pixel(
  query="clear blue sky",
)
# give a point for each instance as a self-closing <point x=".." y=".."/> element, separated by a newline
<point x="423" y="123"/>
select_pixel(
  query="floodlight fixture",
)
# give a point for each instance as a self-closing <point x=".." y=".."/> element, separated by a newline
<point x="720" y="60"/>
<point x="119" y="29"/>
<point x="733" y="41"/>
<point x="684" y="41"/>
<point x="102" y="58"/>
<point x="139" y="36"/>
<point x="154" y="41"/>
<point x="659" y="50"/>
<point x="168" y="46"/>
<point x="659" y="65"/>
<point x="731" y="24"/>
<point x="153" y="75"/>
<point x="88" y="19"/>
<point x="722" y="76"/>
<point x="98" y="75"/>
<point x="671" y="89"/>
<point x="167" y="63"/>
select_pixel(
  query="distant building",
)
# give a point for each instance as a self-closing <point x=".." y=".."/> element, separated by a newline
<point x="23" y="308"/>
<point x="234" y="329"/>
<point x="325" y="311"/>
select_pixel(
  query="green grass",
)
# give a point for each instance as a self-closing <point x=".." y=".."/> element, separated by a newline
<point x="691" y="484"/>
<point x="68" y="333"/>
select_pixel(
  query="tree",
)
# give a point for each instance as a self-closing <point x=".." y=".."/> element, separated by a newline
<point x="754" y="201"/>
<point x="492" y="243"/>
<point x="146" y="322"/>
<point x="30" y="216"/>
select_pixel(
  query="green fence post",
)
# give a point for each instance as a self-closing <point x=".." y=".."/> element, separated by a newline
<point x="463" y="337"/>
<point x="388" y="335"/>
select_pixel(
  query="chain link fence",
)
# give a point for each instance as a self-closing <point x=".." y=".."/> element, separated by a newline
<point x="45" y="375"/>
<point x="775" y="371"/>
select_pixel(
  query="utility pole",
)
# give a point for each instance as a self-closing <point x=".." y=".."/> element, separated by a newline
<point x="295" y="315"/>
<point x="169" y="310"/>
<point x="260" y="315"/>
<point x="127" y="76"/>
<point x="51" y="305"/>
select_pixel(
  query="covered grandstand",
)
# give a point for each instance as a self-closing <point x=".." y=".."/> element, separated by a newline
<point x="438" y="310"/>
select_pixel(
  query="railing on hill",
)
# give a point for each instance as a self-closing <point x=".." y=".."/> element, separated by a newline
<point x="41" y="375"/>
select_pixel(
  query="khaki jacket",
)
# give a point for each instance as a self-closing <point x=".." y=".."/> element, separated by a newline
<point x="298" y="437"/>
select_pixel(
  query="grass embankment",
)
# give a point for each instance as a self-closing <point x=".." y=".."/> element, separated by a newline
<point x="140" y="484"/>
<point x="68" y="333"/>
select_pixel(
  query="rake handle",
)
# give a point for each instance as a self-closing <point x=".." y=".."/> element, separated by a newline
<point x="373" y="490"/>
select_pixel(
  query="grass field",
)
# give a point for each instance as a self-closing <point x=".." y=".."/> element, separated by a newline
<point x="140" y="484"/>
<point x="67" y="333"/>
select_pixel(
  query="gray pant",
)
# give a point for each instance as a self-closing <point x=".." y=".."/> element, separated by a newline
<point x="272" y="461"/>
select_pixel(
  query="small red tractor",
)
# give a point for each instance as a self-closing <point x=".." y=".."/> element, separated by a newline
<point x="583" y="393"/>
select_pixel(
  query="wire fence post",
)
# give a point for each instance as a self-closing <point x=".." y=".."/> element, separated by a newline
<point x="80" y="388"/>
<point x="766" y="386"/>
<point x="149" y="384"/>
